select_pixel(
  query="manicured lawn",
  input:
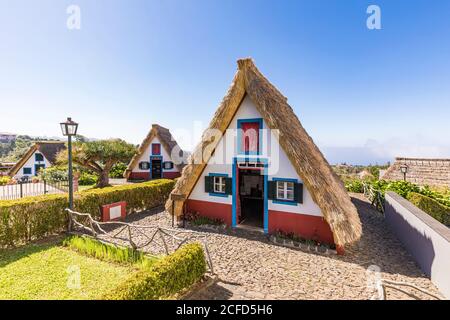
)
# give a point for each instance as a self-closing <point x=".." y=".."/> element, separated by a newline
<point x="49" y="271"/>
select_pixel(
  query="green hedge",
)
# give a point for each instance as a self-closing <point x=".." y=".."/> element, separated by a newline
<point x="166" y="277"/>
<point x="36" y="217"/>
<point x="438" y="211"/>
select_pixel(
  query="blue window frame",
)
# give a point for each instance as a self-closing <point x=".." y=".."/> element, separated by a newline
<point x="284" y="191"/>
<point x="38" y="157"/>
<point x="240" y="122"/>
<point x="27" y="170"/>
<point x="218" y="185"/>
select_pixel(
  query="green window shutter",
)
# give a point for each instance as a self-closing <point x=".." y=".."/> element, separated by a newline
<point x="298" y="192"/>
<point x="228" y="185"/>
<point x="272" y="192"/>
<point x="209" y="187"/>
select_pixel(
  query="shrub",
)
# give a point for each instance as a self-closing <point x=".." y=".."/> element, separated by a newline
<point x="4" y="180"/>
<point x="87" y="179"/>
<point x="107" y="252"/>
<point x="117" y="170"/>
<point x="54" y="173"/>
<point x="355" y="185"/>
<point x="166" y="277"/>
<point x="438" y="211"/>
<point x="36" y="217"/>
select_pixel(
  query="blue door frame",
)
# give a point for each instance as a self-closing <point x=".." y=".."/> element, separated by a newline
<point x="155" y="158"/>
<point x="234" y="191"/>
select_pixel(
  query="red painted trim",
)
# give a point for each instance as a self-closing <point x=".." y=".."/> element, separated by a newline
<point x="106" y="210"/>
<point x="139" y="176"/>
<point x="213" y="210"/>
<point x="146" y="175"/>
<point x="306" y="226"/>
<point x="171" y="175"/>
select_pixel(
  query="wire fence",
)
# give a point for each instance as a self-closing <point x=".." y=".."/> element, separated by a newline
<point x="29" y="188"/>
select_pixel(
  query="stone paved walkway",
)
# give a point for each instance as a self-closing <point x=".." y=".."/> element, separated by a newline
<point x="251" y="267"/>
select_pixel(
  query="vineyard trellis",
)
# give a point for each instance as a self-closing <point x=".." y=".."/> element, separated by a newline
<point x="125" y="232"/>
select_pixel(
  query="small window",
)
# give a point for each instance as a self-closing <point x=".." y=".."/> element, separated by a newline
<point x="26" y="170"/>
<point x="219" y="184"/>
<point x="167" y="165"/>
<point x="249" y="138"/>
<point x="144" y="165"/>
<point x="156" y="148"/>
<point x="285" y="190"/>
<point x="38" y="157"/>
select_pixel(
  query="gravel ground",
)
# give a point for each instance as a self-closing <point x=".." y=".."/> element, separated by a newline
<point x="251" y="267"/>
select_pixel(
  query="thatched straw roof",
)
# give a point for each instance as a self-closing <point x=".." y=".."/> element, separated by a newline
<point x="421" y="171"/>
<point x="167" y="141"/>
<point x="48" y="148"/>
<point x="325" y="187"/>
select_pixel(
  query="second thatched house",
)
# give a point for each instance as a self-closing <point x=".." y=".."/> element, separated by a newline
<point x="256" y="167"/>
<point x="158" y="156"/>
<point x="40" y="156"/>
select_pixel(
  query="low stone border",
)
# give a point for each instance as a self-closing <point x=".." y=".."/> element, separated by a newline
<point x="301" y="245"/>
<point x="207" y="281"/>
<point x="208" y="227"/>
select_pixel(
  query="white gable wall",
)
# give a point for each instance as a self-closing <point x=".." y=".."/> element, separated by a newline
<point x="30" y="164"/>
<point x="247" y="110"/>
<point x="145" y="156"/>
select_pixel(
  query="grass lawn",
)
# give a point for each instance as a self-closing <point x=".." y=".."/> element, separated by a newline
<point x="49" y="271"/>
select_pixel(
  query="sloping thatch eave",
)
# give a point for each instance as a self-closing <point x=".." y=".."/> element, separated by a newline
<point x="13" y="171"/>
<point x="311" y="166"/>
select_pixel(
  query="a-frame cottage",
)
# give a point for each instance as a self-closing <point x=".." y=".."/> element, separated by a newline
<point x="245" y="179"/>
<point x="154" y="158"/>
<point x="40" y="156"/>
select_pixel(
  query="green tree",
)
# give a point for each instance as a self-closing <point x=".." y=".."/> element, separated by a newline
<point x="99" y="156"/>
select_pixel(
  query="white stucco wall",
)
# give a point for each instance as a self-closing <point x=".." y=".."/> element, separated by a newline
<point x="279" y="164"/>
<point x="146" y="157"/>
<point x="30" y="164"/>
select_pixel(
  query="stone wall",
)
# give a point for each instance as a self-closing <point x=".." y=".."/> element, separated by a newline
<point x="433" y="172"/>
<point x="425" y="238"/>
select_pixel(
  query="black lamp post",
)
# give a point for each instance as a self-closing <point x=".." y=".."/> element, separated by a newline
<point x="69" y="129"/>
<point x="404" y="170"/>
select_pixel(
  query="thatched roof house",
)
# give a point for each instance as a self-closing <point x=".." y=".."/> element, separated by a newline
<point x="150" y="156"/>
<point x="421" y="171"/>
<point x="41" y="155"/>
<point x="327" y="192"/>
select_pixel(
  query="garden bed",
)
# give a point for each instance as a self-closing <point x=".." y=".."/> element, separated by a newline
<point x="49" y="271"/>
<point x="84" y="268"/>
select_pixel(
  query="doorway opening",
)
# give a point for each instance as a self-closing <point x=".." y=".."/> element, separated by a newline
<point x="156" y="168"/>
<point x="251" y="197"/>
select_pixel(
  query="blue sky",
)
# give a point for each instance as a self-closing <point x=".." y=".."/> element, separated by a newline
<point x="363" y="95"/>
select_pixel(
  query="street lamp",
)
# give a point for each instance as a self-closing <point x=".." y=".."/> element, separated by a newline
<point x="404" y="170"/>
<point x="69" y="129"/>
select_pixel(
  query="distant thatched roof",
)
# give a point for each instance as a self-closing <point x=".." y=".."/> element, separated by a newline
<point x="421" y="171"/>
<point x="166" y="139"/>
<point x="48" y="148"/>
<point x="325" y="187"/>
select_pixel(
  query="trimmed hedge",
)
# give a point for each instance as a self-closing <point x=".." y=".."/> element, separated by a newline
<point x="31" y="218"/>
<point x="165" y="278"/>
<point x="438" y="211"/>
